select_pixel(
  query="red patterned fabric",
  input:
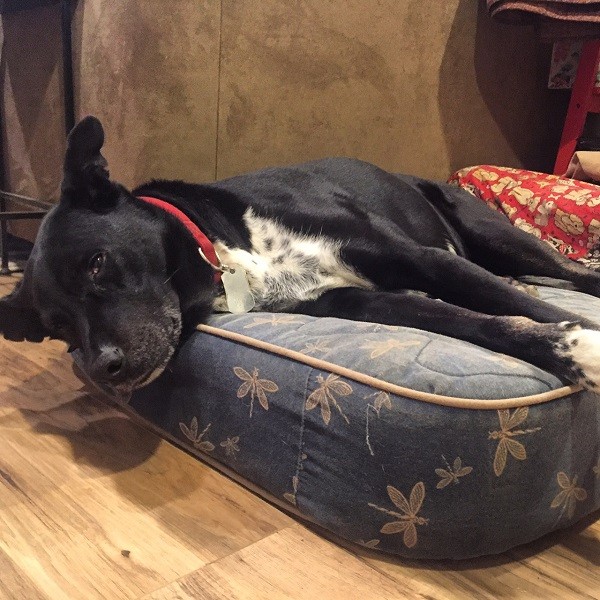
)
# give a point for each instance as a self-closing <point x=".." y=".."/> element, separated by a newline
<point x="563" y="212"/>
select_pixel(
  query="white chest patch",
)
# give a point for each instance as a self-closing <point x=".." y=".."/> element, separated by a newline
<point x="285" y="268"/>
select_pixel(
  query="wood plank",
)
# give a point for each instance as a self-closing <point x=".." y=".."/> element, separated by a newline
<point x="7" y="282"/>
<point x="15" y="584"/>
<point x="71" y="548"/>
<point x="486" y="579"/>
<point x="291" y="564"/>
<point x="298" y="564"/>
<point x="80" y="483"/>
<point x="81" y="496"/>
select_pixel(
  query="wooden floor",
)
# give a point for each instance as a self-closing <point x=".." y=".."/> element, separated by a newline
<point x="94" y="506"/>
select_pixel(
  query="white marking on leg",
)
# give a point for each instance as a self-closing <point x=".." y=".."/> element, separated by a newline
<point x="582" y="346"/>
<point x="450" y="247"/>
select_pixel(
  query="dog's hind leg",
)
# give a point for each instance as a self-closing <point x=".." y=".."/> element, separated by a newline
<point x="565" y="349"/>
<point x="495" y="244"/>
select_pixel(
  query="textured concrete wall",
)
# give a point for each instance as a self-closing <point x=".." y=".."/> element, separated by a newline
<point x="199" y="89"/>
<point x="419" y="86"/>
<point x="149" y="70"/>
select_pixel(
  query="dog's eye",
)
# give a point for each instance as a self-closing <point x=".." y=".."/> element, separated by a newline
<point x="96" y="263"/>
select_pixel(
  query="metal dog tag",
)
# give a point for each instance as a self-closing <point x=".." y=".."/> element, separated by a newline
<point x="237" y="291"/>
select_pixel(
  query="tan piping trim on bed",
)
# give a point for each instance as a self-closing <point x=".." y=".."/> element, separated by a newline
<point x="451" y="401"/>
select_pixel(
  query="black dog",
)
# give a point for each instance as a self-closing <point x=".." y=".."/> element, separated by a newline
<point x="121" y="278"/>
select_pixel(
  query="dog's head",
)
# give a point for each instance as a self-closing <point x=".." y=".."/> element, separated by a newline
<point x="108" y="275"/>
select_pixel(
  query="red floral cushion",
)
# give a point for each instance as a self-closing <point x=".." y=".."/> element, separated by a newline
<point x="563" y="212"/>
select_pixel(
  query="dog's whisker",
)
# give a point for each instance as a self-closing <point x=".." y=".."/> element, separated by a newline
<point x="171" y="275"/>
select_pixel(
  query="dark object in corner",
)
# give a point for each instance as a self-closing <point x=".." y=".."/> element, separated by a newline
<point x="9" y="6"/>
<point x="19" y="248"/>
<point x="589" y="143"/>
<point x="30" y="209"/>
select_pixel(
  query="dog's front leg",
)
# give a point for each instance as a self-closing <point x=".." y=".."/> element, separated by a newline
<point x="566" y="348"/>
<point x="455" y="280"/>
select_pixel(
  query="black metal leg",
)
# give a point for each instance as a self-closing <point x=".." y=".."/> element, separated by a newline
<point x="67" y="52"/>
<point x="4" y="270"/>
<point x="35" y="209"/>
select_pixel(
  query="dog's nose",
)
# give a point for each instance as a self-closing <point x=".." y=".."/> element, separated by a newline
<point x="108" y="364"/>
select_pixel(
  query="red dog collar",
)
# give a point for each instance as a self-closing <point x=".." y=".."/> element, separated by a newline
<point x="205" y="246"/>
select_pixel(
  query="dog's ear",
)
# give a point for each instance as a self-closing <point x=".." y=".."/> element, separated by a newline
<point x="86" y="178"/>
<point x="18" y="319"/>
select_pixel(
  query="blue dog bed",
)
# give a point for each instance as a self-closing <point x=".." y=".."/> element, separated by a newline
<point x="397" y="439"/>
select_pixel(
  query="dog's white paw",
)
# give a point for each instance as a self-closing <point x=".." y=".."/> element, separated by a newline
<point x="581" y="350"/>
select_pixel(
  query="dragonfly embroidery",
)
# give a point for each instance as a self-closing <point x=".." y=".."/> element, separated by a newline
<point x="407" y="520"/>
<point x="274" y="320"/>
<point x="569" y="494"/>
<point x="506" y="443"/>
<point x="382" y="347"/>
<point x="230" y="445"/>
<point x="451" y="473"/>
<point x="192" y="434"/>
<point x="255" y="387"/>
<point x="325" y="394"/>
<point x="320" y="346"/>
